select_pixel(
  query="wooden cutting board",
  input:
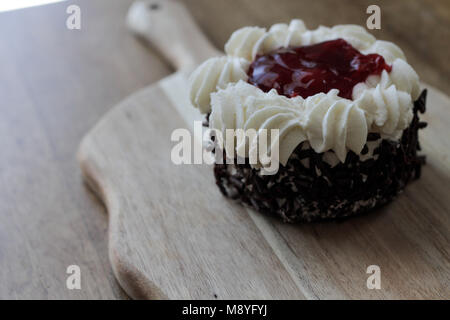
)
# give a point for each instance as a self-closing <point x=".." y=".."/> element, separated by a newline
<point x="173" y="235"/>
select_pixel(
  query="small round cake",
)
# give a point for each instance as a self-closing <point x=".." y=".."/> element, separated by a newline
<point x="346" y="109"/>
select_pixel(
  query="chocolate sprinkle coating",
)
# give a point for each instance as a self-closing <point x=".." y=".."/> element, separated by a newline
<point x="318" y="191"/>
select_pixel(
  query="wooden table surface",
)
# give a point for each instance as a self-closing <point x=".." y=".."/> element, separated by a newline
<point x="56" y="83"/>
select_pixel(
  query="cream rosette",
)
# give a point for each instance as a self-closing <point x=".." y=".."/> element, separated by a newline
<point x="382" y="104"/>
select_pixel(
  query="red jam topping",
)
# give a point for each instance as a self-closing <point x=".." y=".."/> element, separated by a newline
<point x="307" y="70"/>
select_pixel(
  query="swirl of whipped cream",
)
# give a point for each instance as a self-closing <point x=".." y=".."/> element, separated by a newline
<point x="405" y="78"/>
<point x="283" y="35"/>
<point x="244" y="42"/>
<point x="402" y="76"/>
<point x="388" y="50"/>
<point x="248" y="42"/>
<point x="356" y="35"/>
<point x="333" y="123"/>
<point x="388" y="110"/>
<point x="243" y="106"/>
<point x="213" y="74"/>
<point x="381" y="104"/>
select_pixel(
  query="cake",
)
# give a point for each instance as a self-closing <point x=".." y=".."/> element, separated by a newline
<point x="345" y="107"/>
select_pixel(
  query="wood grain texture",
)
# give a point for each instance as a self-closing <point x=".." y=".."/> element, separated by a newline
<point x="171" y="241"/>
<point x="170" y="26"/>
<point x="55" y="84"/>
<point x="167" y="222"/>
<point x="173" y="235"/>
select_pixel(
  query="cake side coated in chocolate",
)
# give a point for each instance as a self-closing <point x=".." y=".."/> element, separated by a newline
<point x="315" y="191"/>
<point x="343" y="103"/>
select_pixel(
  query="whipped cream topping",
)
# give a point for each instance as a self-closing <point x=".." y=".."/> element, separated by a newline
<point x="382" y="104"/>
<point x="325" y="120"/>
<point x="214" y="74"/>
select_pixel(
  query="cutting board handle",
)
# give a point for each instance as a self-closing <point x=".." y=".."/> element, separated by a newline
<point x="168" y="26"/>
